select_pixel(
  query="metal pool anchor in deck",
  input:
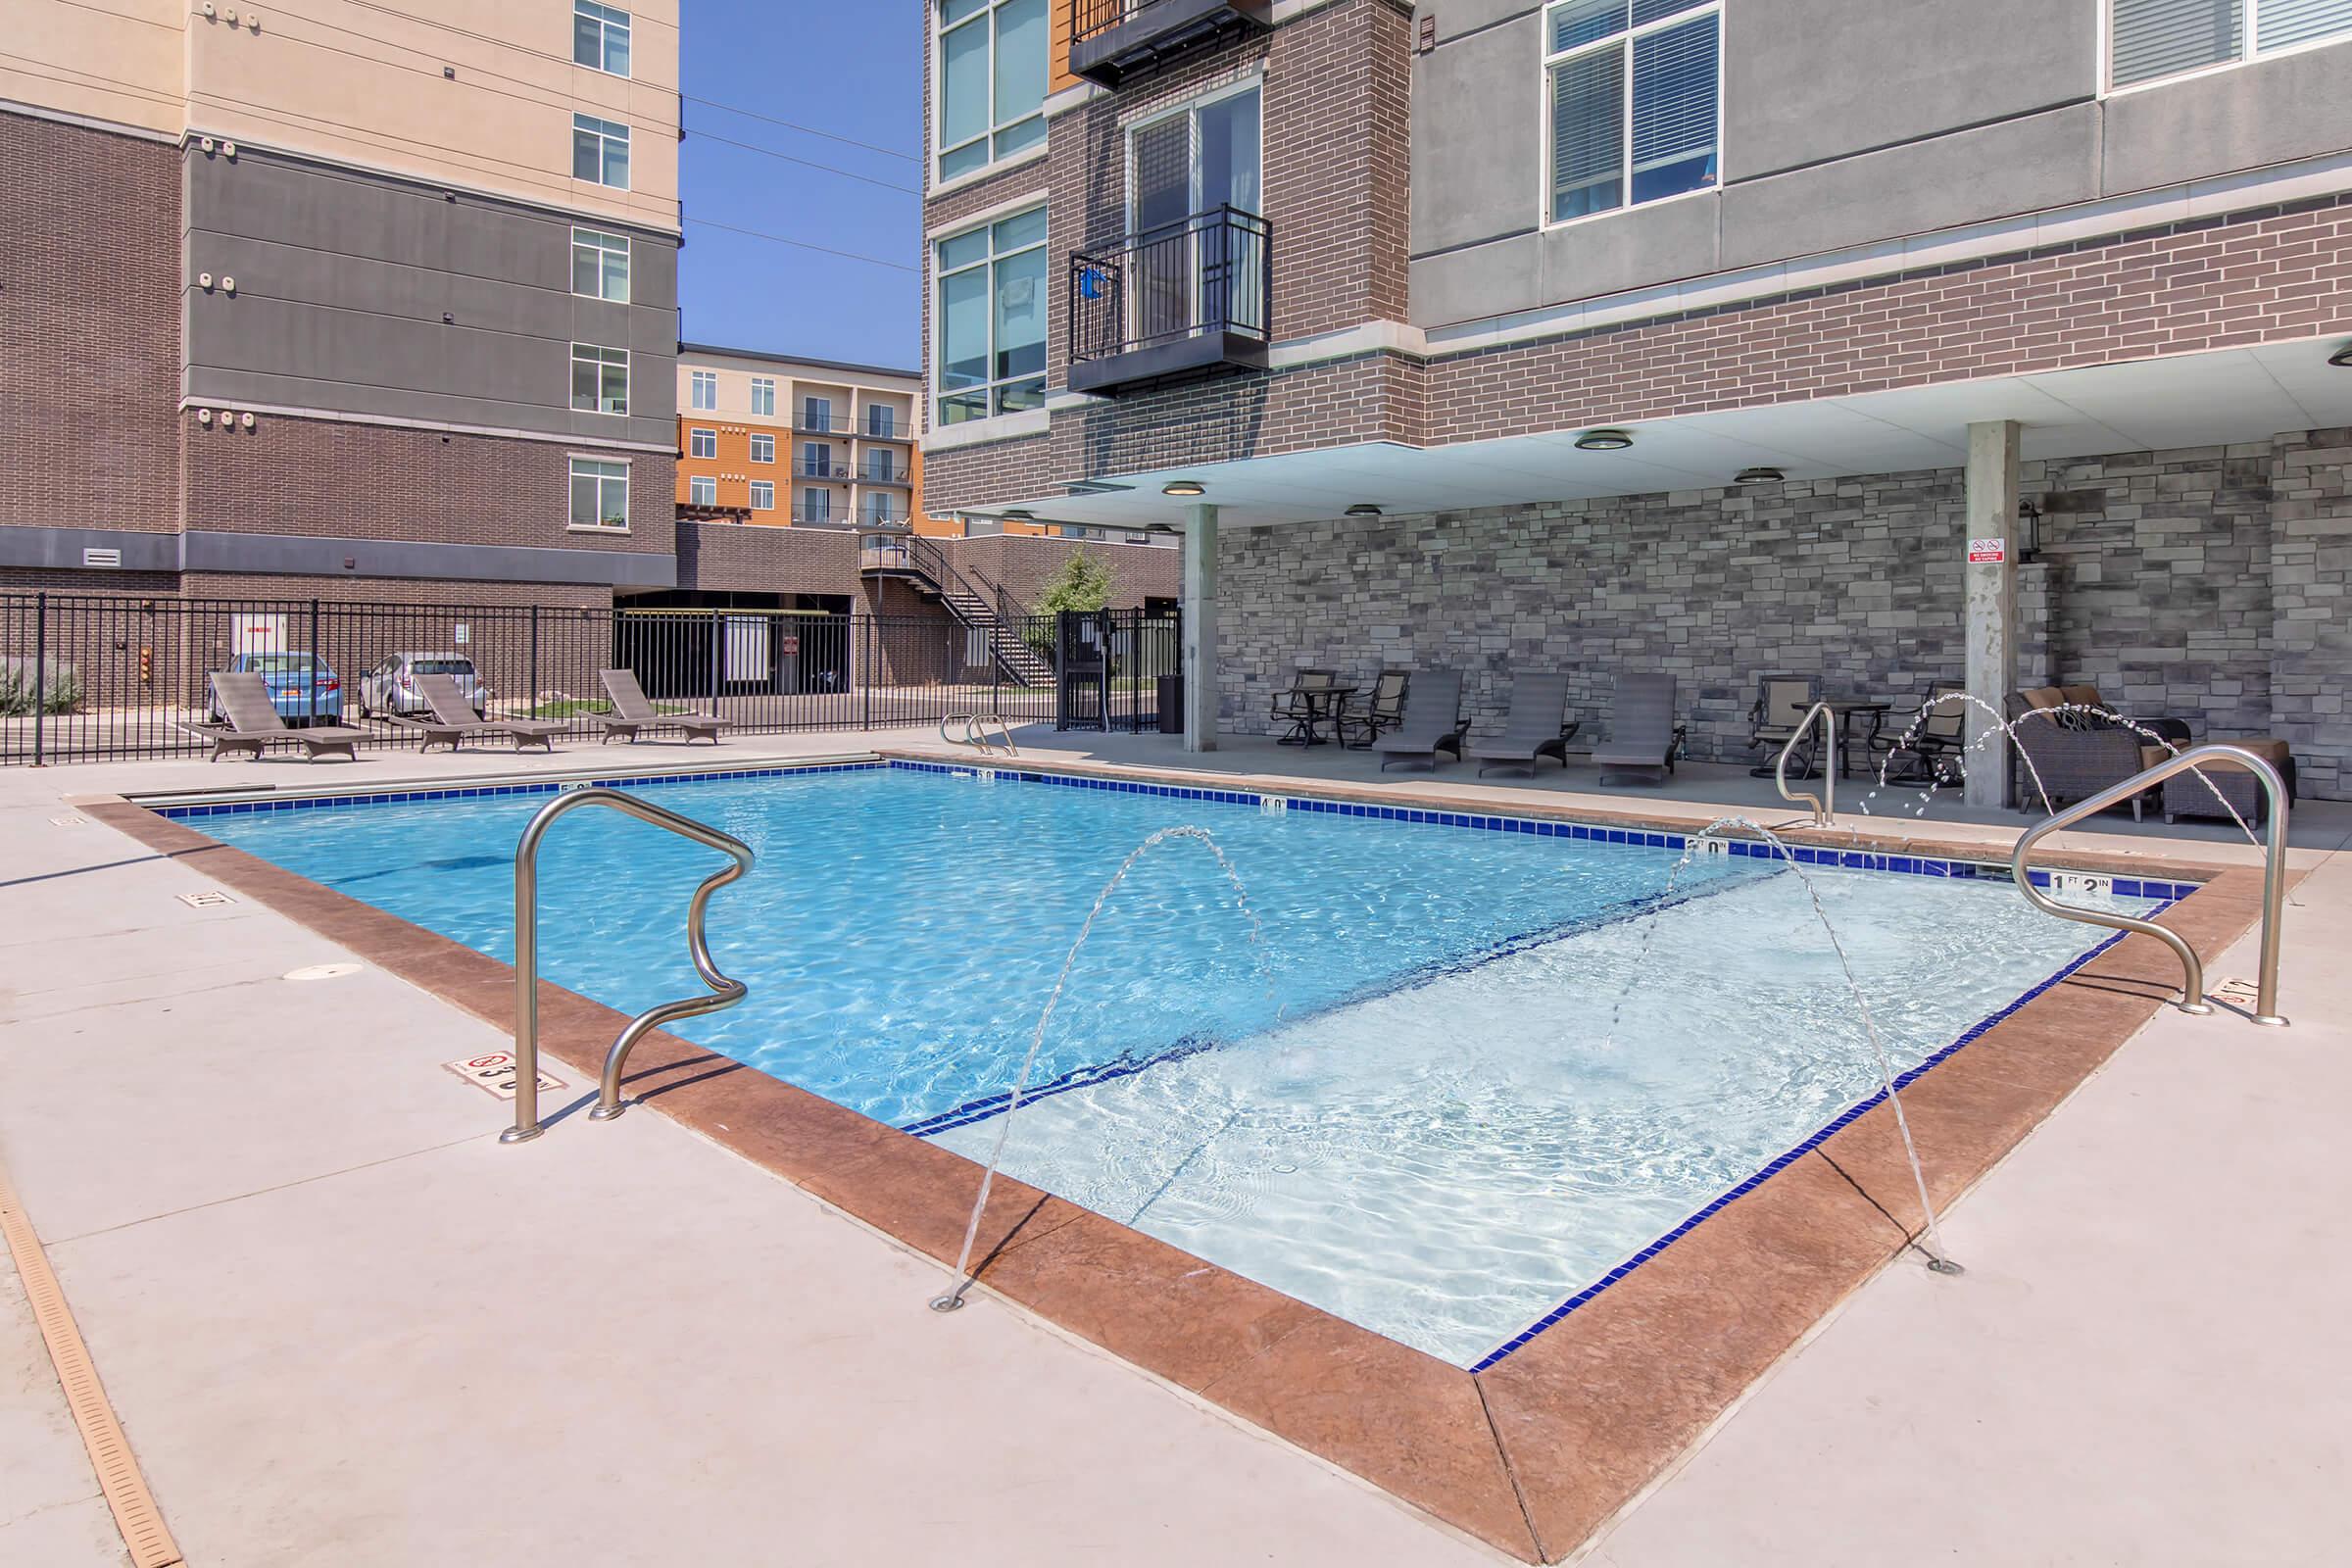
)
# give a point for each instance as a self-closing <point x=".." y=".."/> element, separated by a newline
<point x="724" y="992"/>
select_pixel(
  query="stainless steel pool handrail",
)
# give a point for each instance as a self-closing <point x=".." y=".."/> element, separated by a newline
<point x="1823" y="809"/>
<point x="2274" y="873"/>
<point x="725" y="993"/>
<point x="975" y="733"/>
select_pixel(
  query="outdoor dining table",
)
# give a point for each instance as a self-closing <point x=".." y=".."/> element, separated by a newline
<point x="1315" y="704"/>
<point x="1844" y="711"/>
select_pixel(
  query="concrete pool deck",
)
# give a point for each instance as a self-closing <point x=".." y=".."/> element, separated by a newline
<point x="346" y="1336"/>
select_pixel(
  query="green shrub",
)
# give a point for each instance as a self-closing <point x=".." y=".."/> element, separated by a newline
<point x="54" y="687"/>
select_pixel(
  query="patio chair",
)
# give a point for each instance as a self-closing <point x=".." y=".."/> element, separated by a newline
<point x="454" y="718"/>
<point x="1782" y="704"/>
<point x="633" y="710"/>
<point x="1536" y="727"/>
<point x="254" y="721"/>
<point x="1373" y="713"/>
<point x="1937" y="746"/>
<point x="1432" y="722"/>
<point x="1643" y="738"/>
<point x="2069" y="756"/>
<point x="1290" y="708"/>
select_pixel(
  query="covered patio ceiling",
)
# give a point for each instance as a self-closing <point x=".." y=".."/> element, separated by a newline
<point x="2195" y="400"/>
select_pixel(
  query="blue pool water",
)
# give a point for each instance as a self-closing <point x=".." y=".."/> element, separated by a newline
<point x="1466" y="1073"/>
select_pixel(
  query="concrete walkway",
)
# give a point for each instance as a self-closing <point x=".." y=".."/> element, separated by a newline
<point x="341" y="1324"/>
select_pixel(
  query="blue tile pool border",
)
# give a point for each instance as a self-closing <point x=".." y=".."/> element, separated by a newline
<point x="1781" y="1162"/>
<point x="1415" y="815"/>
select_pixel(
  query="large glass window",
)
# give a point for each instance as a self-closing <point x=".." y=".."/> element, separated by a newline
<point x="702" y="443"/>
<point x="701" y="390"/>
<point x="599" y="265"/>
<point x="764" y="396"/>
<point x="1635" y="102"/>
<point x="600" y="151"/>
<point x="2148" y="39"/>
<point x="600" y="37"/>
<point x="991" y="320"/>
<point x="990" y="93"/>
<point x="763" y="495"/>
<point x="763" y="448"/>
<point x="600" y="494"/>
<point x="702" y="490"/>
<point x="600" y="380"/>
<point x="816" y="506"/>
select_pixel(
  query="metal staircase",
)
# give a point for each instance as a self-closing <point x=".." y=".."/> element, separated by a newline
<point x="987" y="610"/>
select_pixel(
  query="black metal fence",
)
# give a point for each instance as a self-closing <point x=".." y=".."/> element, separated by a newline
<point x="85" y="678"/>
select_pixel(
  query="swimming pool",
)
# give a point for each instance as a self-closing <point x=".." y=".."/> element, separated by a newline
<point x="1473" y="1067"/>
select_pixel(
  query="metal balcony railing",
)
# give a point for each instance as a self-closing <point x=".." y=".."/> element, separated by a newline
<point x="1116" y="41"/>
<point x="1185" y="298"/>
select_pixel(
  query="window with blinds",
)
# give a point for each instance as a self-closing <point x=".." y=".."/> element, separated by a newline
<point x="1635" y="104"/>
<point x="2151" y="39"/>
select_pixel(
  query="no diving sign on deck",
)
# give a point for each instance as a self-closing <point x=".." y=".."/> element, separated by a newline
<point x="1987" y="552"/>
<point x="495" y="1071"/>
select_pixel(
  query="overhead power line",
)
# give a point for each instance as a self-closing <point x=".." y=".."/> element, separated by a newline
<point x="801" y="244"/>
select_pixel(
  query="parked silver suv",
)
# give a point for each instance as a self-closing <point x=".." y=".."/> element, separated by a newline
<point x="390" y="684"/>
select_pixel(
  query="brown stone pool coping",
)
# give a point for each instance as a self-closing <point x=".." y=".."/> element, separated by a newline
<point x="1533" y="1456"/>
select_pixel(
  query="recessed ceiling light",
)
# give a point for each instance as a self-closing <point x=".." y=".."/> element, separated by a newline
<point x="1363" y="509"/>
<point x="1604" y="441"/>
<point x="1183" y="487"/>
<point x="1759" y="477"/>
<point x="2342" y="357"/>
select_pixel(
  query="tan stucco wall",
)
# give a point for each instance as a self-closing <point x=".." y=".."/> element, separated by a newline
<point x="124" y="64"/>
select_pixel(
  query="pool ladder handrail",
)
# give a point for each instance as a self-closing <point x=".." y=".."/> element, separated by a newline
<point x="2274" y="873"/>
<point x="975" y="733"/>
<point x="1823" y="811"/>
<point x="725" y="993"/>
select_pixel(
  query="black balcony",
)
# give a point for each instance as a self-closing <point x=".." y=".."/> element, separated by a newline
<point x="1189" y="299"/>
<point x="1117" y="42"/>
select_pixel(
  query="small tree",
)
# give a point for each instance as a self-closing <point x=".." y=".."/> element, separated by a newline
<point x="1083" y="583"/>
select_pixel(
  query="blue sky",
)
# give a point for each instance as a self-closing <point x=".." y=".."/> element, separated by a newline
<point x="854" y="71"/>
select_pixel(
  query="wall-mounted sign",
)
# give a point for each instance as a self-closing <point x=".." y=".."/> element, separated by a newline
<point x="461" y="634"/>
<point x="1987" y="552"/>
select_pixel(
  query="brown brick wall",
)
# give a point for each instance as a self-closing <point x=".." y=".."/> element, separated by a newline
<point x="289" y="475"/>
<point x="719" y="557"/>
<point x="89" y="327"/>
<point x="392" y="591"/>
<point x="1023" y="567"/>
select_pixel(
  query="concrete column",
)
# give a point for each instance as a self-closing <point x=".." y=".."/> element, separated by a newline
<point x="1201" y="628"/>
<point x="1990" y="602"/>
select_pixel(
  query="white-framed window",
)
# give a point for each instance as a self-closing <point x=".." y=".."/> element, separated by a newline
<point x="764" y="396"/>
<point x="1633" y="103"/>
<point x="990" y="319"/>
<point x="599" y="265"/>
<point x="989" y="97"/>
<point x="600" y="37"/>
<point x="702" y="490"/>
<point x="763" y="448"/>
<point x="702" y="443"/>
<point x="702" y="391"/>
<point x="600" y="151"/>
<point x="763" y="495"/>
<point x="2149" y="40"/>
<point x="600" y="380"/>
<point x="600" y="495"/>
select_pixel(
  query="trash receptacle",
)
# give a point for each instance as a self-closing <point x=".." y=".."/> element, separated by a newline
<point x="1171" y="705"/>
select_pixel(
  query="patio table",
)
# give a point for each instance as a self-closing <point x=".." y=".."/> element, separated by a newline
<point x="1316" y="704"/>
<point x="1844" y="711"/>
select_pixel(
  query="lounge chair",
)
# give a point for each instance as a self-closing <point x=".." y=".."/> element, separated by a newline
<point x="1432" y="722"/>
<point x="632" y="712"/>
<point x="1382" y="710"/>
<point x="1782" y="703"/>
<point x="1535" y="728"/>
<point x="1644" y="737"/>
<point x="254" y="721"/>
<point x="454" y="718"/>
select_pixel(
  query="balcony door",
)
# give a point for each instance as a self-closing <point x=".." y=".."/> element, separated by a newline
<point x="1194" y="272"/>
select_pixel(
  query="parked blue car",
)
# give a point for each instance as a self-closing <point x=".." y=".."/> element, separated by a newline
<point x="290" y="678"/>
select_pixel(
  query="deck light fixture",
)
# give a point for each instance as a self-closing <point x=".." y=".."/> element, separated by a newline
<point x="1759" y="477"/>
<point x="2341" y="358"/>
<point x="1604" y="441"/>
<point x="1183" y="487"/>
<point x="1363" y="509"/>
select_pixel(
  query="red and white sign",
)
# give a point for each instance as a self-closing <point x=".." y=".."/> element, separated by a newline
<point x="495" y="1072"/>
<point x="1987" y="552"/>
<point x="789" y="646"/>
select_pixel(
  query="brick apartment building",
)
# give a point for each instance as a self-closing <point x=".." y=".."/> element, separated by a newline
<point x="1696" y="335"/>
<point x="346" y="302"/>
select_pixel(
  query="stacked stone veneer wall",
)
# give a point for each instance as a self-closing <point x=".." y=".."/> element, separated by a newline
<point x="2207" y="584"/>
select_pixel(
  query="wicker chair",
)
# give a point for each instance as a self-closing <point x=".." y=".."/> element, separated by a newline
<point x="2071" y="756"/>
